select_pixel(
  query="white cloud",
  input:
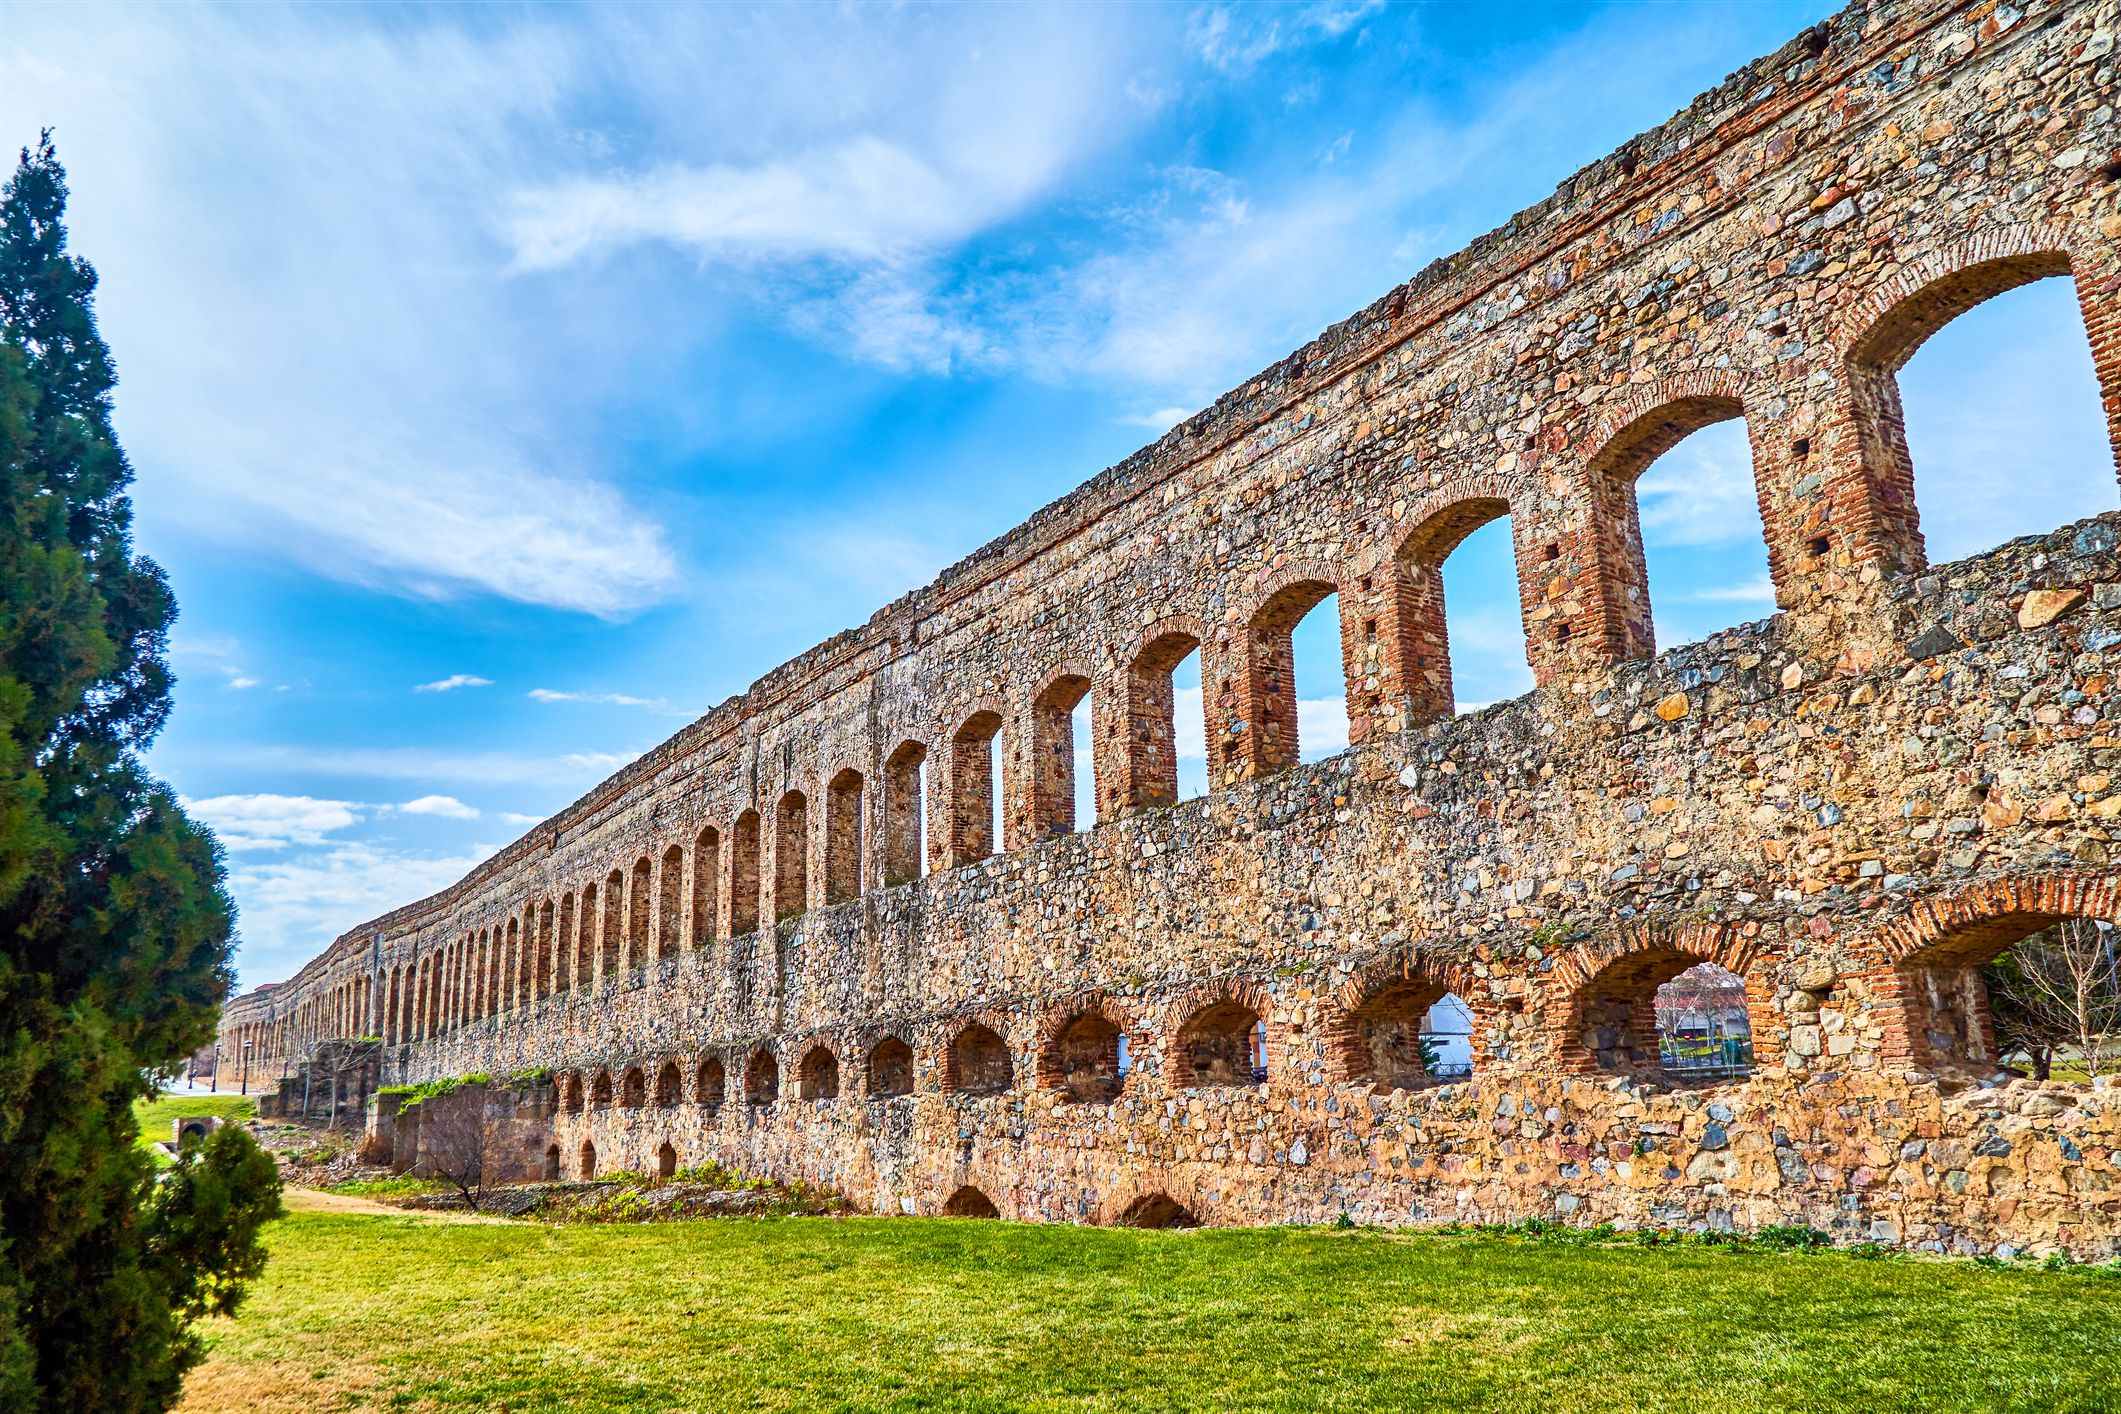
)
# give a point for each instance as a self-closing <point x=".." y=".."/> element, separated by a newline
<point x="453" y="682"/>
<point x="417" y="765"/>
<point x="609" y="699"/>
<point x="266" y="821"/>
<point x="1701" y="491"/>
<point x="1753" y="591"/>
<point x="1237" y="39"/>
<point x="1160" y="421"/>
<point x="1321" y="726"/>
<point x="446" y="806"/>
<point x="291" y="907"/>
<point x="242" y="682"/>
<point x="513" y="818"/>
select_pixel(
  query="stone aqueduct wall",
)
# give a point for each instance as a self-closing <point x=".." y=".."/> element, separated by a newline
<point x="725" y="947"/>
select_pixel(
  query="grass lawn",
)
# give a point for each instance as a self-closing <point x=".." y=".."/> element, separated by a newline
<point x="361" y="1310"/>
<point x="157" y="1116"/>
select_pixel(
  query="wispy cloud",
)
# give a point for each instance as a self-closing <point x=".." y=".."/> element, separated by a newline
<point x="292" y="906"/>
<point x="608" y="699"/>
<point x="266" y="821"/>
<point x="416" y="765"/>
<point x="453" y="682"/>
<point x="446" y="806"/>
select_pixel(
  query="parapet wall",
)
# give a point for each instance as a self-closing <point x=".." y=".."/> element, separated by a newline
<point x="737" y="947"/>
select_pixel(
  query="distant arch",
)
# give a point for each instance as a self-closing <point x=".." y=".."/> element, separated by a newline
<point x="600" y="1090"/>
<point x="977" y="1063"/>
<point x="669" y="1086"/>
<point x="969" y="1202"/>
<point x="791" y="855"/>
<point x="709" y="1085"/>
<point x="890" y="1068"/>
<point x="905" y="805"/>
<point x="819" y="1076"/>
<point x="762" y="1079"/>
<point x="666" y="1161"/>
<point x="1606" y="1017"/>
<point x="588" y="1161"/>
<point x="1079" y="1056"/>
<point x="633" y="1089"/>
<point x="845" y="836"/>
<point x="1222" y="1042"/>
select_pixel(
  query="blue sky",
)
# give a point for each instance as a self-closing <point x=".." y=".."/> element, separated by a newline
<point x="509" y="385"/>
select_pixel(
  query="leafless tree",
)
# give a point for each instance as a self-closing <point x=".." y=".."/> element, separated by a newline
<point x="2059" y="989"/>
<point x="453" y="1141"/>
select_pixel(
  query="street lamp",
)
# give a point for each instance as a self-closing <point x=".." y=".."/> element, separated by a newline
<point x="214" y="1081"/>
<point x="246" y="1066"/>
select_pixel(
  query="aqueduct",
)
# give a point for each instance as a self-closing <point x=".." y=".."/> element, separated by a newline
<point x="789" y="940"/>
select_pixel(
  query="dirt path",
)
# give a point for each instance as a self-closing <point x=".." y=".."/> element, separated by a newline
<point x="311" y="1200"/>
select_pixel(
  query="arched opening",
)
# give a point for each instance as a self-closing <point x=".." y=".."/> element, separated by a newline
<point x="1630" y="1024"/>
<point x="706" y="882"/>
<point x="1292" y="648"/>
<point x="669" y="1086"/>
<point x="1409" y="1034"/>
<point x="552" y="1163"/>
<point x="1165" y="720"/>
<point x="1082" y="1060"/>
<point x="905" y="813"/>
<point x="819" y="1078"/>
<point x="633" y="1089"/>
<point x="979" y="1063"/>
<point x="969" y="1202"/>
<point x="600" y="1091"/>
<point x="614" y="930"/>
<point x="844" y="841"/>
<point x="1457" y="630"/>
<point x="564" y="945"/>
<point x="509" y="964"/>
<point x="744" y="875"/>
<point x="1680" y="505"/>
<point x="1060" y="717"/>
<point x="585" y="957"/>
<point x="1998" y="422"/>
<point x="666" y="1161"/>
<point x="1157" y="1210"/>
<point x="571" y="1094"/>
<point x="637" y="914"/>
<point x="588" y="1163"/>
<point x="709" y="1085"/>
<point x="1223" y="1045"/>
<point x="762" y="1080"/>
<point x="974" y="802"/>
<point x="670" y="903"/>
<point x="2027" y="986"/>
<point x="791" y="860"/>
<point x="890" y="1068"/>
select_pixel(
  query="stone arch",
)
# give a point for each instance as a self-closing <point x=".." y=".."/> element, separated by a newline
<point x="1079" y="1051"/>
<point x="762" y="1079"/>
<point x="845" y="836"/>
<point x="611" y="960"/>
<point x="791" y="855"/>
<point x="670" y="903"/>
<point x="968" y="830"/>
<point x="706" y="886"/>
<point x="1936" y="1001"/>
<point x="818" y="1078"/>
<point x="969" y="1202"/>
<point x="1146" y="1196"/>
<point x="587" y="1161"/>
<point x="585" y="958"/>
<point x="1402" y="640"/>
<point x="666" y="1161"/>
<point x="709" y="1084"/>
<point x="600" y="1091"/>
<point x="890" y="1068"/>
<point x="744" y="874"/>
<point x="633" y="1088"/>
<point x="1627" y="439"/>
<point x="904" y="806"/>
<point x="1375" y="1027"/>
<point x="552" y="1163"/>
<point x="1219" y="1036"/>
<point x="669" y="1086"/>
<point x="1142" y="726"/>
<point x="1050" y="771"/>
<point x="1257" y="690"/>
<point x="571" y="1093"/>
<point x="1873" y="483"/>
<point x="1603" y="1017"/>
<point x="977" y="1062"/>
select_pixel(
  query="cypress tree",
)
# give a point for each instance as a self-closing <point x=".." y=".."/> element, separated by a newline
<point x="114" y="925"/>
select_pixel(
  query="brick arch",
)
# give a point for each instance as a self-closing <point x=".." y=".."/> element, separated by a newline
<point x="1873" y="472"/>
<point x="1401" y="642"/>
<point x="967" y="835"/>
<point x="1935" y="1002"/>
<point x="1183" y="1013"/>
<point x="1403" y="970"/>
<point x="846" y="800"/>
<point x="950" y="1033"/>
<point x="1045" y="750"/>
<point x="1137" y="753"/>
<point x="1060" y="1065"/>
<point x="888" y="1065"/>
<point x="1627" y="438"/>
<point x="1255" y="716"/>
<point x="1623" y="970"/>
<point x="1206" y="1210"/>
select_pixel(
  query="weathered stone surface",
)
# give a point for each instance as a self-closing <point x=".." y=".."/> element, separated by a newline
<point x="2043" y="606"/>
<point x="785" y="940"/>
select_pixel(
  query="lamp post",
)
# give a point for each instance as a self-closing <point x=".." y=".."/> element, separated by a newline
<point x="246" y="1066"/>
<point x="214" y="1081"/>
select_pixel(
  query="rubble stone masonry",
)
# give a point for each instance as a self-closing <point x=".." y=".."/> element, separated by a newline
<point x="736" y="948"/>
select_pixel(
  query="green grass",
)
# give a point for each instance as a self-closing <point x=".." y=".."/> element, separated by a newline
<point x="157" y="1117"/>
<point x="362" y="1311"/>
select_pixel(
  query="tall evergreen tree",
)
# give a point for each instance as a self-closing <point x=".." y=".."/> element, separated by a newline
<point x="114" y="927"/>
